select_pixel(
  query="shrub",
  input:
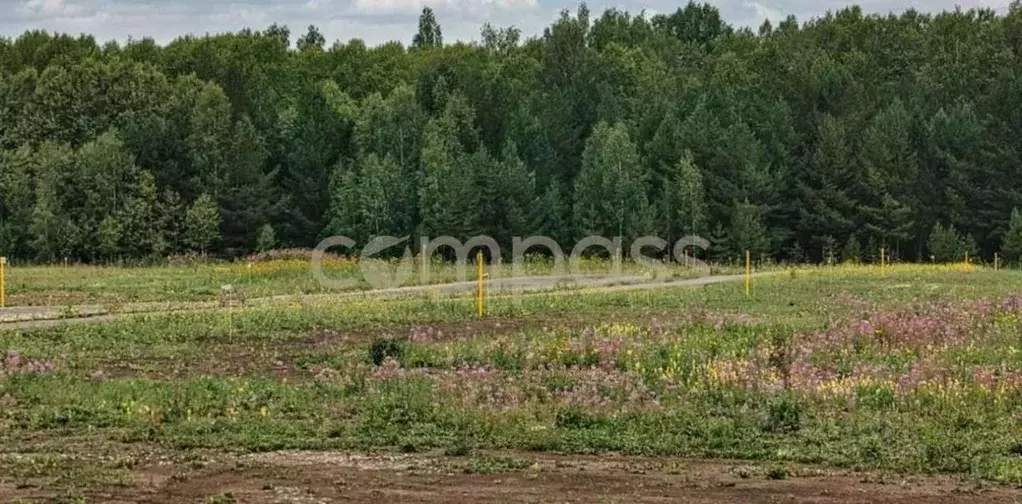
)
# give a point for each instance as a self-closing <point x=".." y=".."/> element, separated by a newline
<point x="383" y="348"/>
<point x="784" y="414"/>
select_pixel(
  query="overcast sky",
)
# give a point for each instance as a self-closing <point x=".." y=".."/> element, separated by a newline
<point x="378" y="21"/>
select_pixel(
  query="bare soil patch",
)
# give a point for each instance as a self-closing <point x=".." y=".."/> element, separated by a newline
<point x="316" y="477"/>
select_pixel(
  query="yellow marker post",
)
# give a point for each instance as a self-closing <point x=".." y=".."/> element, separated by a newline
<point x="3" y="298"/>
<point x="748" y="273"/>
<point x="997" y="261"/>
<point x="479" y="280"/>
<point x="883" y="262"/>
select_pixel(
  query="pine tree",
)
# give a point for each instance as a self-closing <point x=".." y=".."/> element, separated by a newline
<point x="344" y="204"/>
<point x="267" y="239"/>
<point x="747" y="231"/>
<point x="610" y="198"/>
<point x="534" y="144"/>
<point x="795" y="254"/>
<point x="519" y="191"/>
<point x="507" y="189"/>
<point x="249" y="196"/>
<point x="202" y="224"/>
<point x="890" y="173"/>
<point x="946" y="244"/>
<point x="548" y="214"/>
<point x="872" y="252"/>
<point x="890" y="220"/>
<point x="828" y="249"/>
<point x="683" y="206"/>
<point x="852" y="253"/>
<point x="978" y="193"/>
<point x="826" y="206"/>
<point x="1011" y="242"/>
<point x="720" y="244"/>
<point x="316" y="139"/>
<point x="969" y="245"/>
<point x="447" y="196"/>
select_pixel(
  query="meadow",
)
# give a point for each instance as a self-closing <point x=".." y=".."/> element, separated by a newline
<point x="914" y="372"/>
<point x="195" y="281"/>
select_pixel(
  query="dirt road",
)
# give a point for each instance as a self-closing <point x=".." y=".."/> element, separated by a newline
<point x="28" y="317"/>
<point x="320" y="477"/>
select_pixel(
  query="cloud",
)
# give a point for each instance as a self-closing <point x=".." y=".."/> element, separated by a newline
<point x="57" y="9"/>
<point x="396" y="6"/>
<point x="377" y="21"/>
<point x="762" y="12"/>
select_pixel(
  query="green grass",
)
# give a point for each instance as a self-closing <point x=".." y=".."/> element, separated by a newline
<point x="933" y="383"/>
<point x="82" y="284"/>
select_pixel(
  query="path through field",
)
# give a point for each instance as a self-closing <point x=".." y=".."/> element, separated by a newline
<point x="28" y="317"/>
<point x="319" y="477"/>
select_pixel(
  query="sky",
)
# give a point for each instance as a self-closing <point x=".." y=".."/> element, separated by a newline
<point x="378" y="21"/>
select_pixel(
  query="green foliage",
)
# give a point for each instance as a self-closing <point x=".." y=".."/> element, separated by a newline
<point x="872" y="253"/>
<point x="1011" y="242"/>
<point x="720" y="244"/>
<point x="266" y="239"/>
<point x="375" y="200"/>
<point x="548" y="215"/>
<point x="610" y="197"/>
<point x="559" y="382"/>
<point x="429" y="34"/>
<point x="852" y="252"/>
<point x="946" y="244"/>
<point x="891" y="168"/>
<point x="747" y="231"/>
<point x="16" y="200"/>
<point x="610" y="124"/>
<point x="447" y="196"/>
<point x="109" y="235"/>
<point x="784" y="414"/>
<point x="508" y="190"/>
<point x="249" y="195"/>
<point x="381" y="349"/>
<point x="141" y="234"/>
<point x="492" y="465"/>
<point x="824" y="186"/>
<point x="828" y="249"/>
<point x="53" y="232"/>
<point x="684" y="211"/>
<point x="202" y="224"/>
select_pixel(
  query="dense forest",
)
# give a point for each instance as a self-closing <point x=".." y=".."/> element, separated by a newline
<point x="803" y="141"/>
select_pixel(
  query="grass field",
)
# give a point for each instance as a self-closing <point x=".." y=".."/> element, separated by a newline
<point x="914" y="374"/>
<point x="83" y="284"/>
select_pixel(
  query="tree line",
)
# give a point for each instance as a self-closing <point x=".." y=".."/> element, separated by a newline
<point x="820" y="140"/>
